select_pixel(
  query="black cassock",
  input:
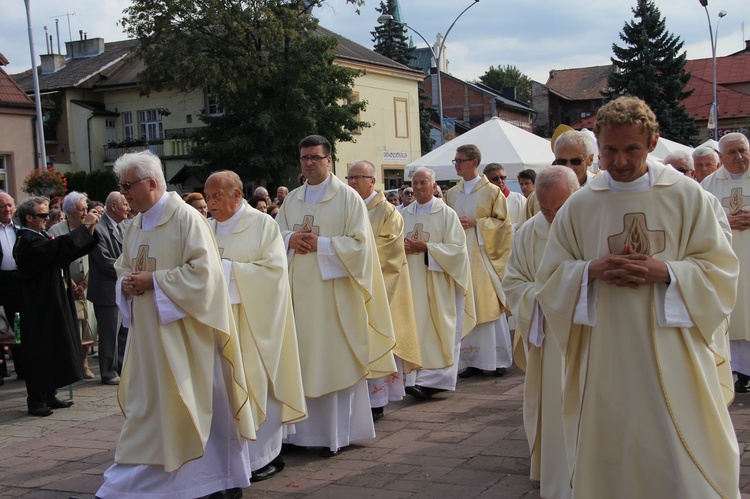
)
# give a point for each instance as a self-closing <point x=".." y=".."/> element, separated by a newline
<point x="49" y="330"/>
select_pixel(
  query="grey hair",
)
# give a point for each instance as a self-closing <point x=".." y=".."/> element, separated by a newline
<point x="71" y="200"/>
<point x="557" y="176"/>
<point x="678" y="155"/>
<point x="706" y="151"/>
<point x="493" y="167"/>
<point x="430" y="173"/>
<point x="228" y="179"/>
<point x="145" y="164"/>
<point x="370" y="166"/>
<point x="730" y="137"/>
<point x="28" y="207"/>
<point x="574" y="138"/>
<point x="112" y="197"/>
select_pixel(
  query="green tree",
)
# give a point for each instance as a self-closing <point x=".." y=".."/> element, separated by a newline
<point x="502" y="77"/>
<point x="265" y="64"/>
<point x="390" y="37"/>
<point x="651" y="67"/>
<point x="391" y="41"/>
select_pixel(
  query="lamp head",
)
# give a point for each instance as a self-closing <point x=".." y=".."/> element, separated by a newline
<point x="385" y="18"/>
<point x="722" y="13"/>
<point x="704" y="3"/>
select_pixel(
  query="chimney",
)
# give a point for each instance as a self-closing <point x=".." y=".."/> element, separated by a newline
<point x="551" y="73"/>
<point x="52" y="63"/>
<point x="747" y="44"/>
<point x="85" y="47"/>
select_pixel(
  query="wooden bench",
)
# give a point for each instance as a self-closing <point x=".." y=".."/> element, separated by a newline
<point x="5" y="343"/>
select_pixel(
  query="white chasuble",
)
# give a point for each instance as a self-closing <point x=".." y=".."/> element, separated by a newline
<point x="734" y="195"/>
<point x="343" y="322"/>
<point x="488" y="345"/>
<point x="643" y="404"/>
<point x="155" y="371"/>
<point x="434" y="292"/>
<point x="542" y="394"/>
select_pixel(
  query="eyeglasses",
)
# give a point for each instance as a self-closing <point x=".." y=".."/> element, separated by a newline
<point x="125" y="186"/>
<point x="358" y="177"/>
<point x="312" y="157"/>
<point x="458" y="161"/>
<point x="40" y="215"/>
<point x="573" y="161"/>
<point x="495" y="179"/>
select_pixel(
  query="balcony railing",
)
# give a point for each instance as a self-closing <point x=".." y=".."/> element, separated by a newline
<point x="177" y="143"/>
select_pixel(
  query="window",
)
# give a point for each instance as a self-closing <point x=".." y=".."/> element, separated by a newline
<point x="149" y="123"/>
<point x="4" y="173"/>
<point x="212" y="103"/>
<point x="127" y="126"/>
<point x="110" y="130"/>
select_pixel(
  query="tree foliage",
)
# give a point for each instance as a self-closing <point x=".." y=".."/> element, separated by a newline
<point x="390" y="38"/>
<point x="502" y="77"/>
<point x="651" y="67"/>
<point x="263" y="60"/>
<point x="391" y="41"/>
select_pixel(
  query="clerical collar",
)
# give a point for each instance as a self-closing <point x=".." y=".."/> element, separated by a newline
<point x="232" y="221"/>
<point x="369" y="198"/>
<point x="470" y="184"/>
<point x="736" y="176"/>
<point x="150" y="217"/>
<point x="642" y="183"/>
<point x="321" y="186"/>
<point x="424" y="209"/>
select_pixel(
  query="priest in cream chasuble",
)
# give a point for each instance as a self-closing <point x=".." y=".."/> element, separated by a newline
<point x="483" y="211"/>
<point x="441" y="284"/>
<point x="183" y="390"/>
<point x="341" y="311"/>
<point x="636" y="277"/>
<point x="388" y="231"/>
<point x="542" y="409"/>
<point x="255" y="267"/>
<point x="731" y="186"/>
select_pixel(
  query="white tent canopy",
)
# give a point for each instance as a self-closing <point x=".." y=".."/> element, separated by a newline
<point x="499" y="141"/>
<point x="662" y="150"/>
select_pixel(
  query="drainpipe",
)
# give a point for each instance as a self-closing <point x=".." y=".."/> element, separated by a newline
<point x="88" y="137"/>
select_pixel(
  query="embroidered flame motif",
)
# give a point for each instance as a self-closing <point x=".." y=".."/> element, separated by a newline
<point x="735" y="201"/>
<point x="308" y="223"/>
<point x="142" y="261"/>
<point x="419" y="233"/>
<point x="637" y="235"/>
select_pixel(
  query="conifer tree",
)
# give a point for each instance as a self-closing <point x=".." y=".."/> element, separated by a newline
<point x="651" y="67"/>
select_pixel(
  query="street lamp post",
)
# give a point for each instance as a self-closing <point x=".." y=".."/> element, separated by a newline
<point x="436" y="55"/>
<point x="39" y="122"/>
<point x="713" y="121"/>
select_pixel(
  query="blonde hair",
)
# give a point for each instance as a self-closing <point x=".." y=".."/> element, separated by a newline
<point x="627" y="111"/>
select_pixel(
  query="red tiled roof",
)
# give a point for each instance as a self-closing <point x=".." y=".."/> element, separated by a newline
<point x="586" y="123"/>
<point x="730" y="69"/>
<point x="10" y="93"/>
<point x="579" y="83"/>
<point x="732" y="104"/>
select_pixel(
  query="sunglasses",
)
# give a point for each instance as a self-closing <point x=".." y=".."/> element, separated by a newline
<point x="125" y="186"/>
<point x="495" y="179"/>
<point x="40" y="215"/>
<point x="574" y="161"/>
<point x="408" y="192"/>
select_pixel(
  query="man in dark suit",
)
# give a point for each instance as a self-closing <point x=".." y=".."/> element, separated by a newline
<point x="51" y="341"/>
<point x="102" y="281"/>
<point x="8" y="273"/>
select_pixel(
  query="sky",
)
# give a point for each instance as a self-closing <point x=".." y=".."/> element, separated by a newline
<point x="536" y="36"/>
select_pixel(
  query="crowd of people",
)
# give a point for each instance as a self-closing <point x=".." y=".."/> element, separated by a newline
<point x="256" y="326"/>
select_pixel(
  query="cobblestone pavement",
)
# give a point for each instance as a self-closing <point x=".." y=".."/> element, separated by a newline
<point x="469" y="443"/>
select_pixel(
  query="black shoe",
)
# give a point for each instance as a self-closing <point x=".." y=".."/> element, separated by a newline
<point x="469" y="372"/>
<point x="56" y="403"/>
<point x="377" y="413"/>
<point x="429" y="391"/>
<point x="289" y="448"/>
<point x="416" y="391"/>
<point x="742" y="386"/>
<point x="500" y="371"/>
<point x="264" y="473"/>
<point x="326" y="452"/>
<point x="234" y="493"/>
<point x="40" y="411"/>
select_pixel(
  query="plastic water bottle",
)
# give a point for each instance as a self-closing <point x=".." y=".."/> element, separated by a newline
<point x="17" y="327"/>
